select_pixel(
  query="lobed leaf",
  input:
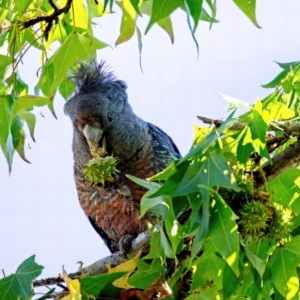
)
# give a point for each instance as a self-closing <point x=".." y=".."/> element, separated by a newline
<point x="19" y="285"/>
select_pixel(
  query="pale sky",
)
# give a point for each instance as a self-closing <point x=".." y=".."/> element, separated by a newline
<point x="39" y="209"/>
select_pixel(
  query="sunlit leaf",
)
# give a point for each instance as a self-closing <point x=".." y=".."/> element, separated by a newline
<point x="128" y="21"/>
<point x="135" y="4"/>
<point x="6" y="105"/>
<point x="245" y="147"/>
<point x="76" y="47"/>
<point x="73" y="287"/>
<point x="283" y="264"/>
<point x="211" y="171"/>
<point x="223" y="233"/>
<point x="5" y="63"/>
<point x="286" y="189"/>
<point x="128" y="266"/>
<point x="209" y="268"/>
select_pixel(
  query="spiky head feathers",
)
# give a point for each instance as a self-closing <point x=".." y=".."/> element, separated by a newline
<point x="96" y="85"/>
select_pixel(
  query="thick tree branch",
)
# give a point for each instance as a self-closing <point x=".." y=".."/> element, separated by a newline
<point x="140" y="243"/>
<point x="280" y="163"/>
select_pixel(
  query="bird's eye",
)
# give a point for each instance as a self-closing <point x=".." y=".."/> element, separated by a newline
<point x="110" y="118"/>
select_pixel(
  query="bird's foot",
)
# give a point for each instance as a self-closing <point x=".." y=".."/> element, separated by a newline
<point x="125" y="243"/>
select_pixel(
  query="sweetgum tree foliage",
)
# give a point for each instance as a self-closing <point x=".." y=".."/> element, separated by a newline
<point x="228" y="212"/>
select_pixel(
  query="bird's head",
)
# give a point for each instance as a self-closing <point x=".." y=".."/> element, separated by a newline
<point x="101" y="115"/>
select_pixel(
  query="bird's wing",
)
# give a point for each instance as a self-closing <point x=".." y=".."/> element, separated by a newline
<point x="162" y="144"/>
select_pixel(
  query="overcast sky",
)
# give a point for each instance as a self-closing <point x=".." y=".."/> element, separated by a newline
<point x="39" y="210"/>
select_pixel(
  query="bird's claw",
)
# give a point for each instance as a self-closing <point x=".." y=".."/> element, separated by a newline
<point x="125" y="243"/>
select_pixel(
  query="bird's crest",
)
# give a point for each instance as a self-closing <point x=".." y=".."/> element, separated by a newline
<point x="91" y="77"/>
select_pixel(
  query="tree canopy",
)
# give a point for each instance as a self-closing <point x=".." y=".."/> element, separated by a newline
<point x="229" y="209"/>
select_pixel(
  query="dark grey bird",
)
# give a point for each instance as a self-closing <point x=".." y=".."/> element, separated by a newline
<point x="104" y="124"/>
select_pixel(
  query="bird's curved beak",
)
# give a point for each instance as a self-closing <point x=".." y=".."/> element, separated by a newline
<point x="93" y="136"/>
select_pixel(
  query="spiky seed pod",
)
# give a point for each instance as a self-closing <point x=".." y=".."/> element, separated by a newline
<point x="101" y="169"/>
<point x="281" y="225"/>
<point x="255" y="217"/>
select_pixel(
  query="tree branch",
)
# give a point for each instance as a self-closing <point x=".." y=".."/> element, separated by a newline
<point x="282" y="161"/>
<point x="279" y="164"/>
<point x="290" y="127"/>
<point x="49" y="19"/>
<point x="140" y="243"/>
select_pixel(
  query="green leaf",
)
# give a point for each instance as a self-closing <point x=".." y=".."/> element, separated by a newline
<point x="211" y="171"/>
<point x="148" y="203"/>
<point x="170" y="186"/>
<point x="18" y="136"/>
<point x="257" y="263"/>
<point x="287" y="66"/>
<point x="278" y="111"/>
<point x="200" y="149"/>
<point x="258" y="128"/>
<point x="162" y="9"/>
<point x="195" y="9"/>
<point x="92" y="285"/>
<point x="30" y="120"/>
<point x="19" y="285"/>
<point x="230" y="282"/>
<point x="206" y="17"/>
<point x="143" y="278"/>
<point x="156" y="248"/>
<point x="283" y="264"/>
<point x="223" y="233"/>
<point x="209" y="268"/>
<point x="188" y="13"/>
<point x="277" y="80"/>
<point x="6" y="105"/>
<point x="80" y="19"/>
<point x="207" y="294"/>
<point x="166" y="244"/>
<point x="5" y="63"/>
<point x="261" y="248"/>
<point x="21" y="5"/>
<point x="286" y="189"/>
<point x="135" y="4"/>
<point x="202" y="233"/>
<point x="248" y="8"/>
<point x="28" y="102"/>
<point x="66" y="88"/>
<point x="128" y="21"/>
<point x="245" y="147"/>
<point x="75" y="48"/>
<point x="164" y="23"/>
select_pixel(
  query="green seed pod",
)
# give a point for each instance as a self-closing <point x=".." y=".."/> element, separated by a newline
<point x="281" y="225"/>
<point x="101" y="169"/>
<point x="255" y="217"/>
